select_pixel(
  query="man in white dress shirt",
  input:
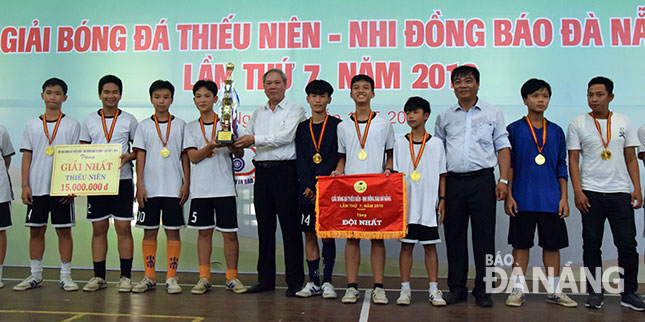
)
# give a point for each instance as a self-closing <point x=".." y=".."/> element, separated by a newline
<point x="272" y="130"/>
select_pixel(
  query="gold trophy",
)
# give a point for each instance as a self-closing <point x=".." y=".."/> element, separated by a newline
<point x="227" y="109"/>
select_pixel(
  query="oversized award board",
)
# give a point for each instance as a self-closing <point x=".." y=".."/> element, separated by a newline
<point x="86" y="169"/>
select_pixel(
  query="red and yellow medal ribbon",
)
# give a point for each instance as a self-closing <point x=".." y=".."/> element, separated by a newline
<point x="322" y="133"/>
<point x="201" y="123"/>
<point x="539" y="148"/>
<point x="415" y="161"/>
<point x="108" y="135"/>
<point x="167" y="129"/>
<point x="367" y="128"/>
<point x="605" y="144"/>
<point x="60" y="116"/>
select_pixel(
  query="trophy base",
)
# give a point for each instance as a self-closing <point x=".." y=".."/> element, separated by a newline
<point x="224" y="137"/>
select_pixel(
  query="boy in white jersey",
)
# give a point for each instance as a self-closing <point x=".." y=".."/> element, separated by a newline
<point x="163" y="179"/>
<point x="39" y="138"/>
<point x="6" y="151"/>
<point x="111" y="125"/>
<point x="423" y="159"/>
<point x="212" y="188"/>
<point x="365" y="140"/>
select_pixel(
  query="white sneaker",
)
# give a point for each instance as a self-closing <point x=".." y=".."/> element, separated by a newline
<point x="516" y="298"/>
<point x="27" y="283"/>
<point x="124" y="285"/>
<point x="436" y="298"/>
<point x="172" y="287"/>
<point x="68" y="284"/>
<point x="95" y="284"/>
<point x="404" y="297"/>
<point x="351" y="295"/>
<point x="309" y="290"/>
<point x="378" y="296"/>
<point x="202" y="286"/>
<point x="328" y="291"/>
<point x="146" y="284"/>
<point x="235" y="285"/>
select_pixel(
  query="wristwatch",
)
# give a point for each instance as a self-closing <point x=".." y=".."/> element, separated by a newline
<point x="504" y="181"/>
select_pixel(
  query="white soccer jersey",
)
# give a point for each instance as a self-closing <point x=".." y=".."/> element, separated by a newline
<point x="124" y="131"/>
<point x="210" y="177"/>
<point x="380" y="138"/>
<point x="6" y="149"/>
<point x="34" y="140"/>
<point x="162" y="177"/>
<point x="422" y="194"/>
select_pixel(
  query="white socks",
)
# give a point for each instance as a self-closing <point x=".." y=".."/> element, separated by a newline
<point x="433" y="286"/>
<point x="65" y="269"/>
<point x="405" y="285"/>
<point x="36" y="268"/>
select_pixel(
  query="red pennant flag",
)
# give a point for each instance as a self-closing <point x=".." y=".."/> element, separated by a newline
<point x="367" y="206"/>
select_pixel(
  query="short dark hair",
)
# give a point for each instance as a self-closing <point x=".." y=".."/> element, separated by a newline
<point x="208" y="84"/>
<point x="415" y="102"/>
<point x="55" y="81"/>
<point x="464" y="70"/>
<point x="319" y="87"/>
<point x="361" y="77"/>
<point x="609" y="84"/>
<point x="110" y="79"/>
<point x="533" y="85"/>
<point x="162" y="84"/>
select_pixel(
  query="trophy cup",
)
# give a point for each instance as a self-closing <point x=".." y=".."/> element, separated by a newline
<point x="227" y="108"/>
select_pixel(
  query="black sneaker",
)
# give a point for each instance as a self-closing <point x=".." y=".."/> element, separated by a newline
<point x="632" y="301"/>
<point x="594" y="301"/>
<point x="455" y="297"/>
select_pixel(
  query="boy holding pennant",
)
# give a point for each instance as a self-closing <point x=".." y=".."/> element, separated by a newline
<point x="602" y="186"/>
<point x="537" y="192"/>
<point x="6" y="152"/>
<point x="212" y="188"/>
<point x="111" y="125"/>
<point x="317" y="154"/>
<point x="163" y="180"/>
<point x="365" y="145"/>
<point x="39" y="138"/>
<point x="423" y="159"/>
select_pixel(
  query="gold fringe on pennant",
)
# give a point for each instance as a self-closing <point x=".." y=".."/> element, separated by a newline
<point x="361" y="234"/>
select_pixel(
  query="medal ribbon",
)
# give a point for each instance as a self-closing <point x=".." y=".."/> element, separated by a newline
<point x="108" y="135"/>
<point x="540" y="148"/>
<point x="606" y="144"/>
<point x="167" y="129"/>
<point x="415" y="161"/>
<point x="60" y="116"/>
<point x="204" y="130"/>
<point x="367" y="128"/>
<point x="322" y="133"/>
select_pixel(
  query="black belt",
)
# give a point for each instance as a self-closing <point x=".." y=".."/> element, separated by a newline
<point x="472" y="173"/>
<point x="273" y="164"/>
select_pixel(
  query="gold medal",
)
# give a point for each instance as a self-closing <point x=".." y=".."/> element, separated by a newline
<point x="415" y="175"/>
<point x="362" y="155"/>
<point x="317" y="158"/>
<point x="164" y="152"/>
<point x="540" y="159"/>
<point x="605" y="154"/>
<point x="50" y="151"/>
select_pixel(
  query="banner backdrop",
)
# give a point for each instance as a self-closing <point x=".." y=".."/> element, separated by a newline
<point x="408" y="47"/>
